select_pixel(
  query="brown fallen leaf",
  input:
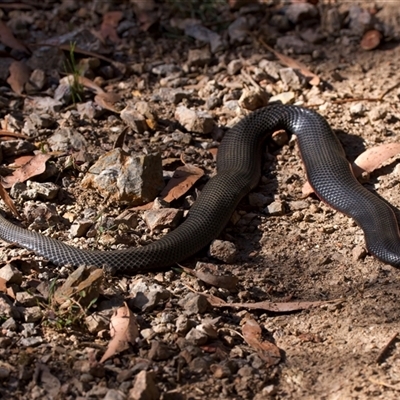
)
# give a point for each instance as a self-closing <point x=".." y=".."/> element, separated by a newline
<point x="8" y="201"/>
<point x="108" y="101"/>
<point x="268" y="305"/>
<point x="267" y="351"/>
<point x="7" y="38"/>
<point x="19" y="76"/>
<point x="35" y="166"/>
<point x="183" y="179"/>
<point x="123" y="330"/>
<point x="109" y="26"/>
<point x="373" y="158"/>
<point x="3" y="285"/>
<point x="368" y="161"/>
<point x="292" y="63"/>
<point x="208" y="274"/>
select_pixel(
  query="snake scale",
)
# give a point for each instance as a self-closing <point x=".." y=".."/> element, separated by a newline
<point x="238" y="171"/>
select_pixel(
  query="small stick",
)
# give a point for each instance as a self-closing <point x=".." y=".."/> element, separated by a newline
<point x="383" y="352"/>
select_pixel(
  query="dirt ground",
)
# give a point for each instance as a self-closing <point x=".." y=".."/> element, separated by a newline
<point x="345" y="349"/>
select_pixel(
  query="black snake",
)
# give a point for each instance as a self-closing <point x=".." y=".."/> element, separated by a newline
<point x="238" y="171"/>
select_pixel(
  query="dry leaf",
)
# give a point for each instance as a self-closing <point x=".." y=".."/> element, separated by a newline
<point x="373" y="158"/>
<point x="268" y="305"/>
<point x="3" y="285"/>
<point x="19" y="75"/>
<point x="8" y="201"/>
<point x="35" y="166"/>
<point x="183" y="179"/>
<point x="8" y="38"/>
<point x="208" y="274"/>
<point x="145" y="13"/>
<point x="368" y="161"/>
<point x="267" y="351"/>
<point x="107" y="100"/>
<point x="109" y="26"/>
<point x="123" y="330"/>
<point x="292" y="63"/>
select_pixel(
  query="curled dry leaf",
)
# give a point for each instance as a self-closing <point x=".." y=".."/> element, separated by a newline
<point x="183" y="179"/>
<point x="8" y="38"/>
<point x="19" y="76"/>
<point x="123" y="330"/>
<point x="267" y="351"/>
<point x="368" y="161"/>
<point x="8" y="201"/>
<point x="373" y="158"/>
<point x="209" y="274"/>
<point x="35" y="166"/>
<point x="109" y="26"/>
<point x="3" y="285"/>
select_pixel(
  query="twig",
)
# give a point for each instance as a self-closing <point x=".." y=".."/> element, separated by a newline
<point x="383" y="352"/>
<point x="388" y="385"/>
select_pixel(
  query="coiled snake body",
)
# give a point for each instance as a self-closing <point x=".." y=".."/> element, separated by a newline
<point x="238" y="171"/>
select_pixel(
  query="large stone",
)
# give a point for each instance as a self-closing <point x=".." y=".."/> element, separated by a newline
<point x="119" y="176"/>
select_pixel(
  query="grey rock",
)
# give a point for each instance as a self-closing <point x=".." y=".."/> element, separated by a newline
<point x="377" y="113"/>
<point x="40" y="216"/>
<point x="194" y="121"/>
<point x="298" y="205"/>
<point x="33" y="314"/>
<point x="147" y="297"/>
<point x="159" y="351"/>
<point x="358" y="253"/>
<point x="295" y="44"/>
<point x="238" y="30"/>
<point x="97" y="322"/>
<point x="165" y="69"/>
<point x="144" y="387"/>
<point x="360" y="20"/>
<point x="174" y="96"/>
<point x="128" y="218"/>
<point x="183" y="324"/>
<point x="44" y="190"/>
<point x="90" y="110"/>
<point x="26" y="299"/>
<point x="113" y="394"/>
<point x="80" y="227"/>
<point x="16" y="147"/>
<point x="11" y="274"/>
<point x="136" y="179"/>
<point x="213" y="102"/>
<point x="10" y="324"/>
<point x="271" y="68"/>
<point x="253" y="99"/>
<point x="312" y="35"/>
<point x="196" y="337"/>
<point x="38" y="79"/>
<point x="163" y="218"/>
<point x="7" y="309"/>
<point x="275" y="208"/>
<point x="63" y="92"/>
<point x="258" y="199"/>
<point x="284" y="97"/>
<point x="134" y="119"/>
<point x="66" y="139"/>
<point x="298" y="12"/>
<point x="331" y="21"/>
<point x="357" y="109"/>
<point x="200" y="32"/>
<point x="194" y="304"/>
<point x="32" y="341"/>
<point x="199" y="365"/>
<point x="199" y="57"/>
<point x="234" y="67"/>
<point x="290" y="78"/>
<point x="223" y="250"/>
<point x="42" y="104"/>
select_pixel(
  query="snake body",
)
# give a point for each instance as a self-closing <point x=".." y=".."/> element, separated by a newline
<point x="238" y="171"/>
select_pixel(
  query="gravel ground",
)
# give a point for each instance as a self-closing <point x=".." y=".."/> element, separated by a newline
<point x="286" y="248"/>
